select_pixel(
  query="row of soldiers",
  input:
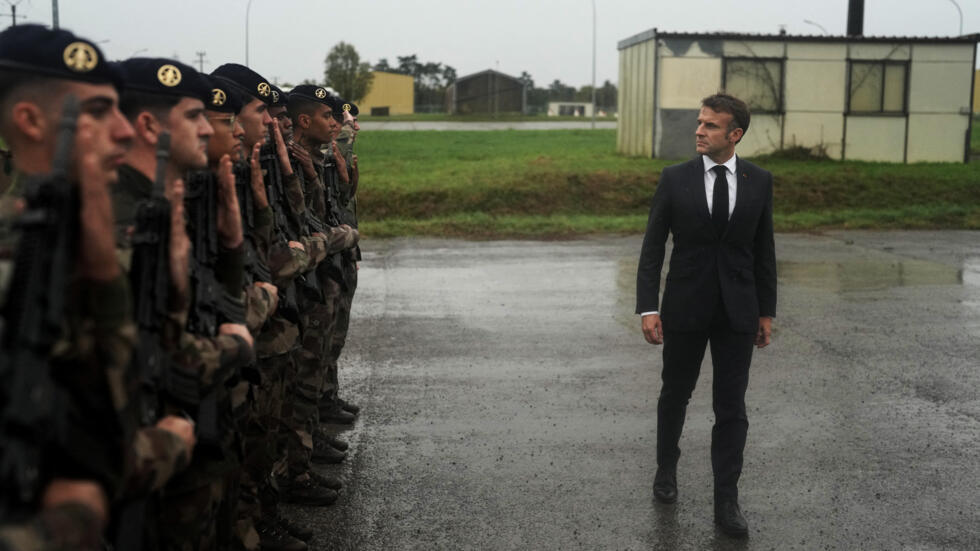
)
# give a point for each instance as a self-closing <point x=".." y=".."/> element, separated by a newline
<point x="178" y="256"/>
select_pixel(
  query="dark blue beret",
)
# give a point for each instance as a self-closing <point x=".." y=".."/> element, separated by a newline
<point x="279" y="98"/>
<point x="56" y="53"/>
<point x="165" y="77"/>
<point x="251" y="83"/>
<point x="349" y="106"/>
<point x="316" y="93"/>
<point x="225" y="97"/>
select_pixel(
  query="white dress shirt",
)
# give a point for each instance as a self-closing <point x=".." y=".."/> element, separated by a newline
<point x="709" y="189"/>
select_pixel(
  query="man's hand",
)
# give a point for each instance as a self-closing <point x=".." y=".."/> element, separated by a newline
<point x="653" y="330"/>
<point x="764" y="335"/>
<point x="180" y="244"/>
<point x="297" y="245"/>
<point x="62" y="491"/>
<point x="236" y="329"/>
<point x="97" y="242"/>
<point x="287" y="168"/>
<point x="341" y="163"/>
<point x="229" y="215"/>
<point x="183" y="428"/>
<point x="303" y="156"/>
<point x="258" y="181"/>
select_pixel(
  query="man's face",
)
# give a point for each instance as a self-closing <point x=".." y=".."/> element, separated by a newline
<point x="189" y="135"/>
<point x="323" y="126"/>
<point x="281" y="117"/>
<point x="102" y="129"/>
<point x="712" y="138"/>
<point x="227" y="138"/>
<point x="255" y="120"/>
<point x="351" y="121"/>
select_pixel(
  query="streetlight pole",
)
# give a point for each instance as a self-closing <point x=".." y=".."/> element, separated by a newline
<point x="817" y="25"/>
<point x="54" y="13"/>
<point x="961" y="16"/>
<point x="248" y="8"/>
<point x="593" y="64"/>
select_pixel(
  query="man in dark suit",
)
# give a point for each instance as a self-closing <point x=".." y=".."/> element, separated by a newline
<point x="720" y="289"/>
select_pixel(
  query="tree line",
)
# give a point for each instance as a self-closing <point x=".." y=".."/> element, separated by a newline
<point x="351" y="78"/>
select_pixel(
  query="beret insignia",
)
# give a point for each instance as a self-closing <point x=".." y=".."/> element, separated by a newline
<point x="264" y="89"/>
<point x="346" y="107"/>
<point x="168" y="75"/>
<point x="80" y="57"/>
<point x="275" y="97"/>
<point x="218" y="97"/>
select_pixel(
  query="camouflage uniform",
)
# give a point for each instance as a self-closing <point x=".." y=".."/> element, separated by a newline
<point x="189" y="504"/>
<point x="69" y="527"/>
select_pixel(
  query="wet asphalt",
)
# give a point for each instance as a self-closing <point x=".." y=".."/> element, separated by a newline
<point x="509" y="402"/>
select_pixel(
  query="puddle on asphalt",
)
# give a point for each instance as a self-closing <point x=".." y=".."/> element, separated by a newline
<point x="870" y="275"/>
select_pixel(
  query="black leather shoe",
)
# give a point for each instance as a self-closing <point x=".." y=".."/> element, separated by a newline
<point x="665" y="485"/>
<point x="337" y="415"/>
<point x="295" y="529"/>
<point x="308" y="492"/>
<point x="325" y="453"/>
<point x="331" y="482"/>
<point x="728" y="517"/>
<point x="348" y="407"/>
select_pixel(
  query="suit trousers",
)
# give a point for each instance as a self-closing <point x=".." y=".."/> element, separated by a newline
<point x="731" y="354"/>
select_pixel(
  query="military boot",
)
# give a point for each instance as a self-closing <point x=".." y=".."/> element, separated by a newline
<point x="295" y="529"/>
<point x="331" y="482"/>
<point x="308" y="492"/>
<point x="335" y="414"/>
<point x="324" y="435"/>
<point x="325" y="453"/>
<point x="348" y="407"/>
<point x="274" y="538"/>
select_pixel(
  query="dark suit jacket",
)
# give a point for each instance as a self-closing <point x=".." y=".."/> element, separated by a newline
<point x="738" y="267"/>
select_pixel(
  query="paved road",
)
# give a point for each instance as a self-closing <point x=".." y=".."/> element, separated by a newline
<point x="516" y="125"/>
<point x="509" y="402"/>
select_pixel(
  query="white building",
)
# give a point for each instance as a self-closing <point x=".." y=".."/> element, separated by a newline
<point x="894" y="99"/>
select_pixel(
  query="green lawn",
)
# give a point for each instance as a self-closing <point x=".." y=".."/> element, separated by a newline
<point x="563" y="183"/>
<point x="480" y="117"/>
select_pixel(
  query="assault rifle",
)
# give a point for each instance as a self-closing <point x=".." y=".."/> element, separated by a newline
<point x="285" y="226"/>
<point x="31" y="412"/>
<point x="255" y="269"/>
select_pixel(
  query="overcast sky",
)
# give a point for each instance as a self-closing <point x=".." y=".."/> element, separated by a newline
<point x="548" y="38"/>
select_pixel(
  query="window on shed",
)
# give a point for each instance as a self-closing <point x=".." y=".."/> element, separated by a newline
<point x="877" y="87"/>
<point x="757" y="82"/>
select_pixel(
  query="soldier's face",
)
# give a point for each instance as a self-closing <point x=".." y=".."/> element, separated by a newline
<point x="322" y="125"/>
<point x="255" y="119"/>
<point x="281" y="117"/>
<point x="189" y="135"/>
<point x="227" y="138"/>
<point x="103" y="132"/>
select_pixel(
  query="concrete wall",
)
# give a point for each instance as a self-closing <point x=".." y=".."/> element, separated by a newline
<point x="814" y="87"/>
<point x="391" y="90"/>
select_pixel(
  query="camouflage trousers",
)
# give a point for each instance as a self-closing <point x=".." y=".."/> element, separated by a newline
<point x="264" y="445"/>
<point x="305" y="385"/>
<point x="343" y="301"/>
<point x="189" y="520"/>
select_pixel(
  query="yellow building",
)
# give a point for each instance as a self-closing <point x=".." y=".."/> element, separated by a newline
<point x="390" y="94"/>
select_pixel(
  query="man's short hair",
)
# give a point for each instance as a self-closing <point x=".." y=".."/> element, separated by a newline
<point x="299" y="105"/>
<point x="19" y="85"/>
<point x="133" y="102"/>
<point x="726" y="103"/>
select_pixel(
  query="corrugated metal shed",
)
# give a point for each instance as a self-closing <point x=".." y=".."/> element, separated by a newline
<point x="865" y="97"/>
<point x="487" y="92"/>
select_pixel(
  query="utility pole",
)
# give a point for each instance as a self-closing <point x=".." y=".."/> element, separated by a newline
<point x="593" y="65"/>
<point x="13" y="12"/>
<point x="54" y="13"/>
<point x="200" y="61"/>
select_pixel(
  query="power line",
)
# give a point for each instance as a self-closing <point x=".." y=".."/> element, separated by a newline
<point x="13" y="12"/>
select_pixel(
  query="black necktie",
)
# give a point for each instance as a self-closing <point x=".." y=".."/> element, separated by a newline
<point x="719" y="202"/>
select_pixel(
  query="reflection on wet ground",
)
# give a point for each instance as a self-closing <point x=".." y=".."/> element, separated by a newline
<point x="510" y="401"/>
